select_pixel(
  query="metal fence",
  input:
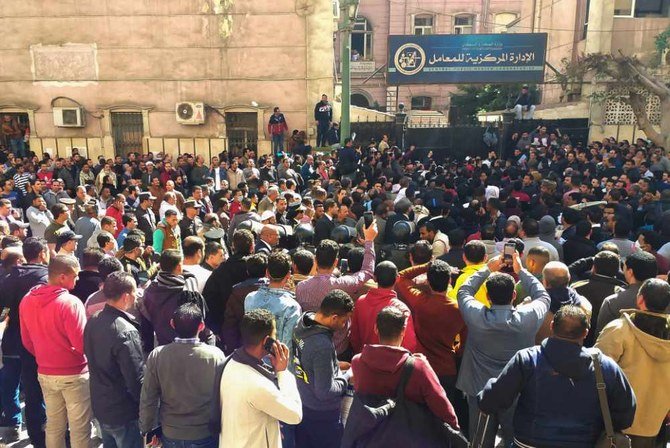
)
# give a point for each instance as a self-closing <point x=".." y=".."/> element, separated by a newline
<point x="461" y="141"/>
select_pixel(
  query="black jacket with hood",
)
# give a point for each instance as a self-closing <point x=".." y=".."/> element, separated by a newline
<point x="163" y="296"/>
<point x="320" y="382"/>
<point x="16" y="285"/>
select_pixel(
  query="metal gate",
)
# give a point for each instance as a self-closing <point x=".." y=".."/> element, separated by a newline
<point x="127" y="132"/>
<point x="242" y="131"/>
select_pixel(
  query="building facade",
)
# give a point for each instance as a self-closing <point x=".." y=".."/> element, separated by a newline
<point x="580" y="27"/>
<point x="118" y="69"/>
<point x="377" y="19"/>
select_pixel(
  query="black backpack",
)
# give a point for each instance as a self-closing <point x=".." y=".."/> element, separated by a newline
<point x="386" y="422"/>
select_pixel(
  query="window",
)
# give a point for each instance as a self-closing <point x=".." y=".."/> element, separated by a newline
<point x="421" y="102"/>
<point x="463" y="24"/>
<point x="642" y="8"/>
<point x="501" y="21"/>
<point x="585" y="29"/>
<point x="361" y="40"/>
<point x="423" y="25"/>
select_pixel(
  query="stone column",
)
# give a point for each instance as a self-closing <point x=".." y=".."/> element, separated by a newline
<point x="601" y="17"/>
<point x="319" y="55"/>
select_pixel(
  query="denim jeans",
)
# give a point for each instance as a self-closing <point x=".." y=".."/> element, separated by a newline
<point x="319" y="429"/>
<point x="18" y="146"/>
<point x="209" y="442"/>
<point x="122" y="436"/>
<point x="322" y="133"/>
<point x="35" y="412"/>
<point x="277" y="143"/>
<point x="503" y="419"/>
<point x="11" y="377"/>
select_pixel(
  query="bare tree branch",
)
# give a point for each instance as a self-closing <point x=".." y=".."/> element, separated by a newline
<point x="638" y="103"/>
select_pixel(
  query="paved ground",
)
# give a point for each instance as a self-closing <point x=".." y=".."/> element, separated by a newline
<point x="25" y="442"/>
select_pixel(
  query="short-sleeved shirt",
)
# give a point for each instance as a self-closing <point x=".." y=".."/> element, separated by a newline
<point x="53" y="230"/>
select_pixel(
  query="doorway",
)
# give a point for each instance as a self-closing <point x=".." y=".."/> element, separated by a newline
<point x="15" y="132"/>
<point x="241" y="131"/>
<point x="127" y="132"/>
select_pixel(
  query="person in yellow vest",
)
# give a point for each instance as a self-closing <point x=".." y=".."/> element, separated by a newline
<point x="474" y="256"/>
<point x="167" y="235"/>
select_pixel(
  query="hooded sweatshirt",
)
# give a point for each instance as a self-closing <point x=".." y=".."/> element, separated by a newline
<point x="52" y="330"/>
<point x="365" y="316"/>
<point x="15" y="286"/>
<point x="378" y="369"/>
<point x="321" y="383"/>
<point x="557" y="397"/>
<point x="645" y="359"/>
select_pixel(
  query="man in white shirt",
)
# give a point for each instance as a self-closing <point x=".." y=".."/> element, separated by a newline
<point x="262" y="395"/>
<point x="193" y="249"/>
<point x="169" y="203"/>
<point x="39" y="217"/>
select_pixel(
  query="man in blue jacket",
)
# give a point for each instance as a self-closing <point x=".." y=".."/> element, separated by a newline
<point x="556" y="389"/>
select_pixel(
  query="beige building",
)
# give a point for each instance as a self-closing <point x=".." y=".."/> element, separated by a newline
<point x="117" y="69"/>
<point x="377" y="19"/>
<point x="577" y="27"/>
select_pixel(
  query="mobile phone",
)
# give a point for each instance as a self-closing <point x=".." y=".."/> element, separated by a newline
<point x="269" y="345"/>
<point x="508" y="253"/>
<point x="4" y="313"/>
<point x="344" y="266"/>
<point x="368" y="218"/>
<point x="148" y="437"/>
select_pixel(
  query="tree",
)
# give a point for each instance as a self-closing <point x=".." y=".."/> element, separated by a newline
<point x="472" y="99"/>
<point x="629" y="80"/>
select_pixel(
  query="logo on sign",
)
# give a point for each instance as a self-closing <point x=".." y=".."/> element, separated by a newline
<point x="410" y="59"/>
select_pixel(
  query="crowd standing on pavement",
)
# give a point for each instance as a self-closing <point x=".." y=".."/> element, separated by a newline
<point x="248" y="300"/>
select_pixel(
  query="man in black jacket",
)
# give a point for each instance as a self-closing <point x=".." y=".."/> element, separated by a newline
<point x="325" y="225"/>
<point x="113" y="348"/>
<point x="348" y="160"/>
<point x="19" y="364"/>
<point x="579" y="245"/>
<point x="146" y="219"/>
<point x="171" y="288"/>
<point x="602" y="284"/>
<point x="323" y="114"/>
<point x="230" y="272"/>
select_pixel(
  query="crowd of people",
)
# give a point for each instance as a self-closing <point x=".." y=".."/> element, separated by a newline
<point x="257" y="300"/>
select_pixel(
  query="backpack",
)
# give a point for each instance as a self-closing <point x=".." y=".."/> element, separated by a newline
<point x="376" y="422"/>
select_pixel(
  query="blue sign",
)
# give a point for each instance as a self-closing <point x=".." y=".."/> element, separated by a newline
<point x="466" y="58"/>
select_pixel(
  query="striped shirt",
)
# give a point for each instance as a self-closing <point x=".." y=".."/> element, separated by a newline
<point x="309" y="293"/>
<point x="21" y="180"/>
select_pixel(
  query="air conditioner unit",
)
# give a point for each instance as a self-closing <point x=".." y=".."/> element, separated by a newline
<point x="190" y="113"/>
<point x="69" y="117"/>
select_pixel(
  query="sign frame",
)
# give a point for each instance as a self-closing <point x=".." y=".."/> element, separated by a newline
<point x="466" y="58"/>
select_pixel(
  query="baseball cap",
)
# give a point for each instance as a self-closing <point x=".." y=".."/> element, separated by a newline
<point x="191" y="204"/>
<point x="68" y="235"/>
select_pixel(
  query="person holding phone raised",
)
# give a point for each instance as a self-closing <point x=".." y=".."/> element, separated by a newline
<point x="255" y="397"/>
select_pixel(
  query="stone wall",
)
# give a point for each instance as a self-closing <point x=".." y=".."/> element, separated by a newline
<point x="146" y="55"/>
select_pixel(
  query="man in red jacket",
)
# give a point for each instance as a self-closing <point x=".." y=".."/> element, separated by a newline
<point x="369" y="305"/>
<point x="438" y="324"/>
<point x="378" y="368"/>
<point x="52" y="330"/>
<point x="116" y="210"/>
